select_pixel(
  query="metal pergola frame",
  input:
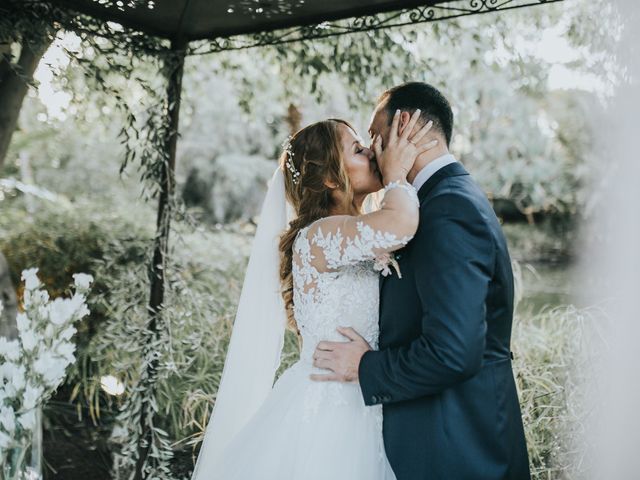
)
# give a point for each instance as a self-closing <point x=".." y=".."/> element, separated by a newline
<point x="420" y="14"/>
<point x="368" y="17"/>
<point x="291" y="27"/>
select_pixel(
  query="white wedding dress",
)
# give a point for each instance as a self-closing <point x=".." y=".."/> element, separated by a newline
<point x="307" y="430"/>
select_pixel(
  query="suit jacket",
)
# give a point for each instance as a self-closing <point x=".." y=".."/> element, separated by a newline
<point x="443" y="369"/>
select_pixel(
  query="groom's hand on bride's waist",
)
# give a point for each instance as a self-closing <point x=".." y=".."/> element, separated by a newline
<point x="340" y="358"/>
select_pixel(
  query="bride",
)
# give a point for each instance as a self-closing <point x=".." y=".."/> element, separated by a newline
<point x="318" y="275"/>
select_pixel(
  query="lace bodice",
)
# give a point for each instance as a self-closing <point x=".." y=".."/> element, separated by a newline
<point x="334" y="282"/>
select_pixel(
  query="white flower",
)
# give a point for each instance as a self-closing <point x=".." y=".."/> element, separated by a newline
<point x="83" y="311"/>
<point x="82" y="280"/>
<point x="29" y="340"/>
<point x="79" y="307"/>
<point x="10" y="391"/>
<point x="19" y="379"/>
<point x="51" y="367"/>
<point x="57" y="372"/>
<point x="60" y="311"/>
<point x="46" y="365"/>
<point x="65" y="350"/>
<point x="5" y="441"/>
<point x="382" y="263"/>
<point x="22" y="321"/>
<point x="43" y="349"/>
<point x="31" y="397"/>
<point x="67" y="333"/>
<point x="30" y="277"/>
<point x="39" y="296"/>
<point x="8" y="370"/>
<point x="7" y="419"/>
<point x="28" y="420"/>
<point x="10" y="349"/>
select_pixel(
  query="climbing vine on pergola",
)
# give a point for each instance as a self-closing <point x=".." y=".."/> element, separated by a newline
<point x="164" y="33"/>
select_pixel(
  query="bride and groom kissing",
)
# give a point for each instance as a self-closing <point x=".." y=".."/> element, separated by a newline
<point x="404" y="314"/>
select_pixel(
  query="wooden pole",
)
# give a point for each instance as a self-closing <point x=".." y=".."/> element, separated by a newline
<point x="163" y="221"/>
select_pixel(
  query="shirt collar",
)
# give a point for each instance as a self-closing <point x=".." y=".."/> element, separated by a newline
<point x="431" y="168"/>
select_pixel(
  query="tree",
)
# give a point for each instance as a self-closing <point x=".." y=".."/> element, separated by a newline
<point x="527" y="151"/>
<point x="23" y="42"/>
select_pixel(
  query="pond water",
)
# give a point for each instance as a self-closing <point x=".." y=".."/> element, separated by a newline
<point x="547" y="285"/>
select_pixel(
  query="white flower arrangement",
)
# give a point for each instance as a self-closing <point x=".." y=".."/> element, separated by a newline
<point x="384" y="261"/>
<point x="33" y="365"/>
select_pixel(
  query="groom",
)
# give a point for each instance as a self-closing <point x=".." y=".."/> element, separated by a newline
<point x="443" y="369"/>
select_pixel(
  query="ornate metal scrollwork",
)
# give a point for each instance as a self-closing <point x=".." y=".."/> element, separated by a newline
<point x="417" y="15"/>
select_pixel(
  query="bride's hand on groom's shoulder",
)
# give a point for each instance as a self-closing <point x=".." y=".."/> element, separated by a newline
<point x="341" y="358"/>
<point x="403" y="147"/>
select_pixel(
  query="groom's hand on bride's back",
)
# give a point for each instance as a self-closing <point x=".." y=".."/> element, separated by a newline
<point x="342" y="359"/>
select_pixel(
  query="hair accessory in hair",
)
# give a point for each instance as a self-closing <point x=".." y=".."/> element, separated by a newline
<point x="289" y="163"/>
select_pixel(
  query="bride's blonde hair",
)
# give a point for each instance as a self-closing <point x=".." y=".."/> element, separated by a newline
<point x="315" y="153"/>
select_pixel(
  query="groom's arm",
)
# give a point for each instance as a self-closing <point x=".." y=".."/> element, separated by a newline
<point x="455" y="256"/>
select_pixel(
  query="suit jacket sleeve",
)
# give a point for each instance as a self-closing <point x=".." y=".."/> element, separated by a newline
<point x="454" y="255"/>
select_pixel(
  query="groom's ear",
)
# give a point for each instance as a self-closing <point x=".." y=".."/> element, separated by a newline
<point x="404" y="120"/>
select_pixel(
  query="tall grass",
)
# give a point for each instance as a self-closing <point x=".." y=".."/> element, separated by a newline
<point x="553" y="357"/>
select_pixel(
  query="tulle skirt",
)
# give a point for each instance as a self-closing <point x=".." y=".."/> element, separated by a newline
<point x="308" y="430"/>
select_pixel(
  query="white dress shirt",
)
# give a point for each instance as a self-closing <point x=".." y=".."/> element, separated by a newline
<point x="431" y="168"/>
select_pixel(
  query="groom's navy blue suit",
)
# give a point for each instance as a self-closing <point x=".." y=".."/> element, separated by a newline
<point x="443" y="368"/>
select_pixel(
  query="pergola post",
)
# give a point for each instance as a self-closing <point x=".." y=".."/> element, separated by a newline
<point x="161" y="242"/>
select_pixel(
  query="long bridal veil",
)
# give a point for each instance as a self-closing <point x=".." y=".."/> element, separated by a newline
<point x="256" y="342"/>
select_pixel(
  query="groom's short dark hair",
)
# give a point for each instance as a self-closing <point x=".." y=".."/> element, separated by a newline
<point x="432" y="103"/>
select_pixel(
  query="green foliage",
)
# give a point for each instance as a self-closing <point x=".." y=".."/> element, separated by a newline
<point x="61" y="242"/>
<point x="189" y="349"/>
<point x="524" y="143"/>
<point x="229" y="188"/>
<point x="56" y="242"/>
<point x="205" y="277"/>
<point x="204" y="280"/>
<point x="544" y="242"/>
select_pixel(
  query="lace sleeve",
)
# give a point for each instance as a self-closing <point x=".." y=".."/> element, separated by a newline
<point x="343" y="240"/>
